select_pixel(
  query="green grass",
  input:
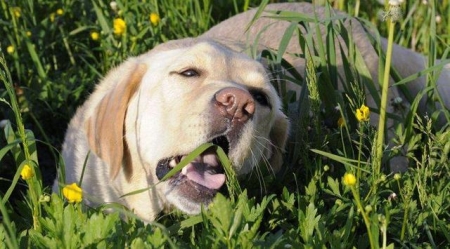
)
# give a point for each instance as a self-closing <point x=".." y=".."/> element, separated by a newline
<point x="55" y="63"/>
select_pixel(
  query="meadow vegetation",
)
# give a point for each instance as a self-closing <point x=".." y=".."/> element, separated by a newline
<point x="336" y="189"/>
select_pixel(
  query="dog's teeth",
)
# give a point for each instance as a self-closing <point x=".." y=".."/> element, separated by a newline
<point x="173" y="163"/>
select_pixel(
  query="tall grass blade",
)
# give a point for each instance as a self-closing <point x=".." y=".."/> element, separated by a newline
<point x="11" y="239"/>
<point x="189" y="158"/>
<point x="340" y="159"/>
<point x="258" y="13"/>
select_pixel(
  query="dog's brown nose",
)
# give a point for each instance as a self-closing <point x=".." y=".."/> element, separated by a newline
<point x="235" y="104"/>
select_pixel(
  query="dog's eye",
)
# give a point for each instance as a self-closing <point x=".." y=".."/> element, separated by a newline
<point x="190" y="73"/>
<point x="260" y="97"/>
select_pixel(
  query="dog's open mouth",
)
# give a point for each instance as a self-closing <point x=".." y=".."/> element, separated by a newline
<point x="200" y="179"/>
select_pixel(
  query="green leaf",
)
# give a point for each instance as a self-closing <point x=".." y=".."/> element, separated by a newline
<point x="307" y="223"/>
<point x="334" y="186"/>
<point x="8" y="147"/>
<point x="191" y="221"/>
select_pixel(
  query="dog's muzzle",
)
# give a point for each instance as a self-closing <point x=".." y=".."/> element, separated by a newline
<point x="200" y="180"/>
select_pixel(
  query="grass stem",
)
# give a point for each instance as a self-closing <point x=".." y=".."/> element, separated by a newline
<point x="34" y="184"/>
<point x="364" y="215"/>
<point x="383" y="105"/>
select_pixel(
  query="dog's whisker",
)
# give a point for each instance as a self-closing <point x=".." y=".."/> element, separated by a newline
<point x="258" y="172"/>
<point x="265" y="146"/>
<point x="269" y="142"/>
<point x="263" y="158"/>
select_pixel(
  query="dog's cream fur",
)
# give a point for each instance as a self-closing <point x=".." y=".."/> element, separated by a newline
<point x="147" y="110"/>
<point x="151" y="107"/>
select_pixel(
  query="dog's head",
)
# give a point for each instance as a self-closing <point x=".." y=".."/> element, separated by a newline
<point x="175" y="98"/>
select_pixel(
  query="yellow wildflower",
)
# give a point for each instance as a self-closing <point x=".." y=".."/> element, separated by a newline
<point x="28" y="33"/>
<point x="341" y="122"/>
<point x="52" y="17"/>
<point x="10" y="49"/>
<point x="59" y="12"/>
<point x="95" y="35"/>
<point x="73" y="193"/>
<point x="362" y="114"/>
<point x="27" y="172"/>
<point x="17" y="12"/>
<point x="349" y="179"/>
<point x="119" y="26"/>
<point x="154" y="19"/>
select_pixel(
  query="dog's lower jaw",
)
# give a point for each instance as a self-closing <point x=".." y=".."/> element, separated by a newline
<point x="185" y="204"/>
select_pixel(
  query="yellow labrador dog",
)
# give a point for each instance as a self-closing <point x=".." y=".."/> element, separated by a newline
<point x="152" y="110"/>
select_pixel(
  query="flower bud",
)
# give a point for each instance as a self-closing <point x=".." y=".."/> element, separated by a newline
<point x="113" y="5"/>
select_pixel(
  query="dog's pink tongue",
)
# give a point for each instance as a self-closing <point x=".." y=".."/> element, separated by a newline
<point x="197" y="171"/>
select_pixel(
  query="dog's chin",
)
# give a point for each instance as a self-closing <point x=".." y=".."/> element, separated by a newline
<point x="188" y="196"/>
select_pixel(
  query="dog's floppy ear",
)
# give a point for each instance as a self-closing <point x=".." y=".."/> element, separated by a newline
<point x="105" y="128"/>
<point x="278" y="137"/>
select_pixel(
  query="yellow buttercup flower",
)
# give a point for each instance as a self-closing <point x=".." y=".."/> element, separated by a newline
<point x="154" y="19"/>
<point x="95" y="36"/>
<point x="119" y="26"/>
<point x="349" y="179"/>
<point x="59" y="12"/>
<point x="17" y="12"/>
<point x="28" y="33"/>
<point x="73" y="193"/>
<point x="341" y="122"/>
<point x="27" y="172"/>
<point x="10" y="49"/>
<point x="362" y="114"/>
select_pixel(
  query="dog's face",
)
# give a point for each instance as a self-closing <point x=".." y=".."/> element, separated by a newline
<point x="183" y="95"/>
